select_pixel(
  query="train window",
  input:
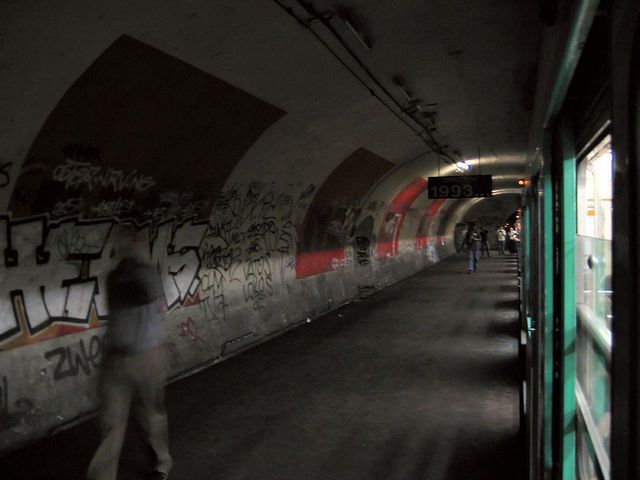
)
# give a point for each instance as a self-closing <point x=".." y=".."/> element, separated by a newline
<point x="595" y="192"/>
<point x="594" y="307"/>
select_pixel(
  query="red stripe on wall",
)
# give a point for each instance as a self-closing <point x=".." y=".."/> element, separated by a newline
<point x="389" y="233"/>
<point x="433" y="207"/>
<point x="422" y="240"/>
<point x="313" y="263"/>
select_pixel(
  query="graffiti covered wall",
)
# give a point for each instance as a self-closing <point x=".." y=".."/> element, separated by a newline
<point x="227" y="282"/>
<point x="334" y="211"/>
<point x="240" y="260"/>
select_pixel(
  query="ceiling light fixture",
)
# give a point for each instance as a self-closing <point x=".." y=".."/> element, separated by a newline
<point x="462" y="166"/>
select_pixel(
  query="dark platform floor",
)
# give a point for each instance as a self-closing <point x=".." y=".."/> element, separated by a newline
<point x="416" y="382"/>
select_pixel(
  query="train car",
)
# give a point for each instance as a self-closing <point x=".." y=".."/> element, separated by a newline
<point x="580" y="257"/>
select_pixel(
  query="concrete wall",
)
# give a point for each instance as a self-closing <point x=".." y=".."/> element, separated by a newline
<point x="250" y="235"/>
<point x="229" y="281"/>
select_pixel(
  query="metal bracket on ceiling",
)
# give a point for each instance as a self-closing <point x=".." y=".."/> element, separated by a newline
<point x="328" y="15"/>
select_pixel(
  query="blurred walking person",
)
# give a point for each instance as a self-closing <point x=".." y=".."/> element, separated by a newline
<point x="133" y="363"/>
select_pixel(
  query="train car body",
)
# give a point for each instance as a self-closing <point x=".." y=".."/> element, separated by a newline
<point x="580" y="258"/>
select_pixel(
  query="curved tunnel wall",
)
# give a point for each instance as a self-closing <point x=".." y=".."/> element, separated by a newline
<point x="144" y="138"/>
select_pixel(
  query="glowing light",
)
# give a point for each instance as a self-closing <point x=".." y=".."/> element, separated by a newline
<point x="462" y="166"/>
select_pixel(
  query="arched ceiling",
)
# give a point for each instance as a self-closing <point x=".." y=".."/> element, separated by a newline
<point x="471" y="64"/>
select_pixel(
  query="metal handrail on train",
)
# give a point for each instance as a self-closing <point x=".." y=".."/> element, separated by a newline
<point x="599" y="332"/>
<point x="594" y="435"/>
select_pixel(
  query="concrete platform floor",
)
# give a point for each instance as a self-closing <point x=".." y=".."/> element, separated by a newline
<point x="416" y="382"/>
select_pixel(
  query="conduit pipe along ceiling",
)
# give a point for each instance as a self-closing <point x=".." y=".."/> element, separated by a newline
<point x="463" y="89"/>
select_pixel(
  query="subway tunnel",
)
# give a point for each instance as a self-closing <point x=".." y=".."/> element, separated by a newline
<point x="279" y="160"/>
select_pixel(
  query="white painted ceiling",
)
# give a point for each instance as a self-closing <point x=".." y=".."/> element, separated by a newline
<point x="473" y="60"/>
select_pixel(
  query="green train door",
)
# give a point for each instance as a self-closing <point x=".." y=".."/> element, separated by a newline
<point x="583" y="159"/>
<point x="593" y="308"/>
<point x="585" y="307"/>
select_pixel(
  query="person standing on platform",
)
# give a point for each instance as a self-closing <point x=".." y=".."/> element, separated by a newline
<point x="133" y="363"/>
<point x="513" y="240"/>
<point x="516" y="242"/>
<point x="501" y="236"/>
<point x="472" y="241"/>
<point x="484" y="235"/>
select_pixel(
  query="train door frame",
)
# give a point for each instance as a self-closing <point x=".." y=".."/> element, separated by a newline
<point x="535" y="444"/>
<point x="550" y="359"/>
<point x="534" y="292"/>
<point x="565" y="332"/>
<point x="566" y="411"/>
<point x="625" y="428"/>
<point x="548" y="284"/>
<point x="625" y="364"/>
<point x="624" y="48"/>
<point x="574" y="129"/>
<point x="566" y="161"/>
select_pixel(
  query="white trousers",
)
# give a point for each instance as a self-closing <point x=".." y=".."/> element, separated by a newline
<point x="123" y="378"/>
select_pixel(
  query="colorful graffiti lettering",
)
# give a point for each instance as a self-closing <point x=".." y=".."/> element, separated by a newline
<point x="53" y="273"/>
<point x="56" y="271"/>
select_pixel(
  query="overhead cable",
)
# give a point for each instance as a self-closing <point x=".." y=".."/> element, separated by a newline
<point x="431" y="142"/>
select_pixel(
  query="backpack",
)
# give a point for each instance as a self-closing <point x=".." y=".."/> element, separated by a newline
<point x="472" y="237"/>
<point x="132" y="289"/>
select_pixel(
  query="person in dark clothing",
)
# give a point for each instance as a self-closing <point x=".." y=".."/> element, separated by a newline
<point x="133" y="365"/>
<point x="484" y="236"/>
<point x="472" y="241"/>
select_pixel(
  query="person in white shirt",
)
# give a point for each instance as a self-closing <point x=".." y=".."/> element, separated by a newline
<point x="514" y="240"/>
<point x="501" y="236"/>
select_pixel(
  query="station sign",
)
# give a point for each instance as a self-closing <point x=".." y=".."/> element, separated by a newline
<point x="460" y="186"/>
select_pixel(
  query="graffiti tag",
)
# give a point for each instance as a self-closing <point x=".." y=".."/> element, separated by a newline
<point x="70" y="361"/>
<point x="76" y="174"/>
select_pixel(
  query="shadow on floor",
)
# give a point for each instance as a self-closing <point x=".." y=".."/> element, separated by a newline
<point x="481" y="460"/>
<point x="507" y="304"/>
<point x="67" y="456"/>
<point x="510" y="329"/>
